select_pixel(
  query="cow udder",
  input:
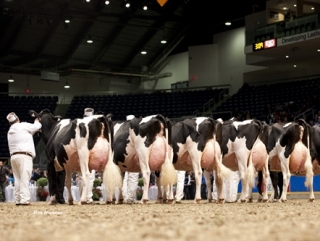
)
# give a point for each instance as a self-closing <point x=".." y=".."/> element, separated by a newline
<point x="298" y="158"/>
<point x="157" y="153"/>
<point x="98" y="156"/>
<point x="211" y="150"/>
<point x="259" y="155"/>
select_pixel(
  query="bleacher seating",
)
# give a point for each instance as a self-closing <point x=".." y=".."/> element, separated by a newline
<point x="21" y="105"/>
<point x="255" y="98"/>
<point x="170" y="104"/>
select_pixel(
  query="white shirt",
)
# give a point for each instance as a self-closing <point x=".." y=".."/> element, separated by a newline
<point x="20" y="137"/>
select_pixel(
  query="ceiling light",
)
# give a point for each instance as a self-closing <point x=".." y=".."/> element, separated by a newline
<point x="67" y="20"/>
<point x="287" y="56"/>
<point x="145" y="7"/>
<point x="89" y="40"/>
<point x="127" y="4"/>
<point x="107" y="2"/>
<point x="295" y="5"/>
<point x="294" y="66"/>
<point x="143" y="52"/>
<point x="284" y="8"/>
<point x="163" y="41"/>
<point x="87" y="1"/>
<point x="228" y="23"/>
<point x="312" y="8"/>
<point x="66" y="86"/>
<point x="10" y="79"/>
<point x="318" y="50"/>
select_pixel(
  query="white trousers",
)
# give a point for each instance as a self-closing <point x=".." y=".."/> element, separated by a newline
<point x="21" y="168"/>
<point x="180" y="185"/>
<point x="129" y="187"/>
<point x="230" y="188"/>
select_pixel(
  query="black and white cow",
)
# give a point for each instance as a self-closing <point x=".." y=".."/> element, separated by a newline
<point x="244" y="148"/>
<point x="196" y="146"/>
<point x="289" y="152"/>
<point x="142" y="145"/>
<point x="78" y="145"/>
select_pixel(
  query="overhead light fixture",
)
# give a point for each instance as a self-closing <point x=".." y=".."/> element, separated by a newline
<point x="163" y="41"/>
<point x="312" y="8"/>
<point x="66" y="86"/>
<point x="107" y="2"/>
<point x="287" y="56"/>
<point x="295" y="5"/>
<point x="89" y="40"/>
<point x="145" y="7"/>
<point x="87" y="1"/>
<point x="127" y="4"/>
<point x="67" y="20"/>
<point x="228" y="23"/>
<point x="10" y="79"/>
<point x="143" y="52"/>
<point x="294" y="66"/>
<point x="318" y="50"/>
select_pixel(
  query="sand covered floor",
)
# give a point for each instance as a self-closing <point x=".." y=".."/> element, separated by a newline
<point x="296" y="219"/>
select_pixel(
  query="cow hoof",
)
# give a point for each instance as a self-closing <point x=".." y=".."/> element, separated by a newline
<point x="221" y="201"/>
<point x="250" y="200"/>
<point x="70" y="202"/>
<point x="213" y="201"/>
<point x="197" y="201"/>
<point x="210" y="201"/>
<point x="52" y="202"/>
<point x="109" y="202"/>
<point x="170" y="201"/>
<point x="121" y="201"/>
<point x="282" y="200"/>
<point x="265" y="200"/>
<point x="311" y="200"/>
<point x="144" y="201"/>
<point x="243" y="200"/>
<point x="159" y="201"/>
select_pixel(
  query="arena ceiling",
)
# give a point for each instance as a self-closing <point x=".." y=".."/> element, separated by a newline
<point x="35" y="37"/>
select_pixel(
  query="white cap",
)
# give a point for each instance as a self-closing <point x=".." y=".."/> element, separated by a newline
<point x="130" y="117"/>
<point x="11" y="117"/>
<point x="88" y="112"/>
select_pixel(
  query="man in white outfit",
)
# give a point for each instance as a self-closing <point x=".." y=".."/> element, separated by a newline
<point x="22" y="152"/>
<point x="180" y="186"/>
<point x="130" y="182"/>
<point x="88" y="112"/>
<point x="230" y="188"/>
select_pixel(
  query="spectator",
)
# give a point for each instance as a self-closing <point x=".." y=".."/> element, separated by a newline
<point x="22" y="152"/>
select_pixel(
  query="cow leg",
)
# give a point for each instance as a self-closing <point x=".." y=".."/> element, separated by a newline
<point x="274" y="180"/>
<point x="90" y="186"/>
<point x="51" y="173"/>
<point x="286" y="177"/>
<point x="121" y="189"/>
<point x="244" y="183"/>
<point x="85" y="173"/>
<point x="180" y="186"/>
<point x="68" y="185"/>
<point x="145" y="170"/>
<point x="266" y="175"/>
<point x="195" y="156"/>
<point x="160" y="194"/>
<point x="209" y="185"/>
<point x="309" y="177"/>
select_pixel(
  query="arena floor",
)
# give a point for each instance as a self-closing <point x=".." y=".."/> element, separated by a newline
<point x="296" y="219"/>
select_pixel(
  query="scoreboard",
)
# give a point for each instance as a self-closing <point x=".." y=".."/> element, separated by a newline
<point x="267" y="44"/>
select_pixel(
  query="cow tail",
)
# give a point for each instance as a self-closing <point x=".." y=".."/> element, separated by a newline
<point x="112" y="178"/>
<point x="168" y="174"/>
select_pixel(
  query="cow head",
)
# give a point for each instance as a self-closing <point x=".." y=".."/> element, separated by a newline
<point x="42" y="113"/>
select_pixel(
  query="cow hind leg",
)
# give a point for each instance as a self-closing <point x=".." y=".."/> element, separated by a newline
<point x="309" y="178"/>
<point x="266" y="175"/>
<point x="286" y="178"/>
<point x="68" y="185"/>
<point x="208" y="184"/>
<point x="51" y="173"/>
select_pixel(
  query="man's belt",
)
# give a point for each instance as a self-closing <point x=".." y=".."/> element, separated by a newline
<point x="21" y="152"/>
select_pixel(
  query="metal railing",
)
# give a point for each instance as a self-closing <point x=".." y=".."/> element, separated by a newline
<point x="305" y="114"/>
